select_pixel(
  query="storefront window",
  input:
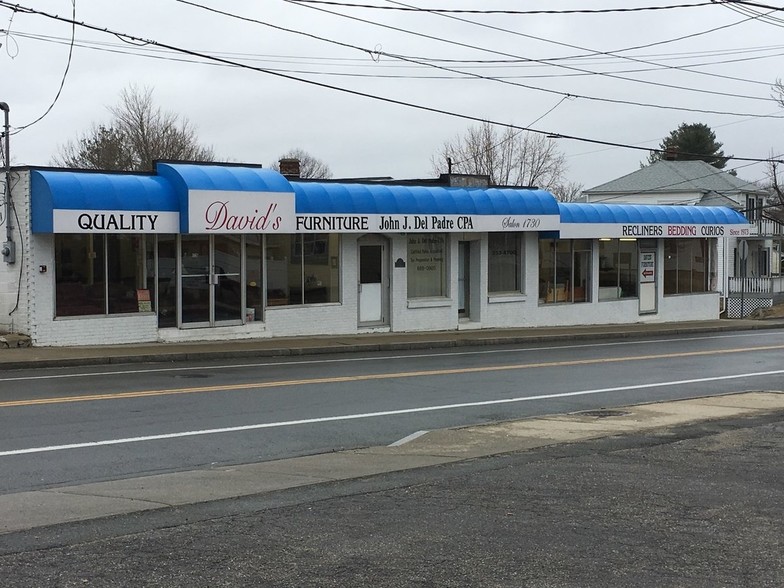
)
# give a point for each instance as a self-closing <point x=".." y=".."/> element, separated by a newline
<point x="426" y="269"/>
<point x="126" y="273"/>
<point x="254" y="280"/>
<point x="101" y="274"/>
<point x="79" y="275"/>
<point x="320" y="255"/>
<point x="618" y="263"/>
<point x="564" y="270"/>
<point x="167" y="280"/>
<point x="504" y="263"/>
<point x="303" y="269"/>
<point x="689" y="266"/>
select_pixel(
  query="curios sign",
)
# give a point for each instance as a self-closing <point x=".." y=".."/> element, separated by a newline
<point x="636" y="231"/>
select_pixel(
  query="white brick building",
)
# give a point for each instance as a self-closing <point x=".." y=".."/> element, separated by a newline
<point x="217" y="251"/>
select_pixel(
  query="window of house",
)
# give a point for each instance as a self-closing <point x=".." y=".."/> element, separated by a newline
<point x="302" y="269"/>
<point x="426" y="269"/>
<point x="754" y="207"/>
<point x="564" y="270"/>
<point x="618" y="265"/>
<point x="504" y="263"/>
<point x="101" y="274"/>
<point x="689" y="266"/>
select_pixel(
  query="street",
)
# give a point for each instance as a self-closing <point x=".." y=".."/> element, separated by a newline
<point x="78" y="425"/>
<point x="696" y="506"/>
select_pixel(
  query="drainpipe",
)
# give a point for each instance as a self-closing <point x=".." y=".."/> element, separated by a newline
<point x="8" y="249"/>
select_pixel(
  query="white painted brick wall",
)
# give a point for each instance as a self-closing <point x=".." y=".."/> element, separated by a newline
<point x="12" y="283"/>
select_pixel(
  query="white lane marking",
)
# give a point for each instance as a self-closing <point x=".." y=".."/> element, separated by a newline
<point x="373" y="358"/>
<point x="383" y="413"/>
<point x="408" y="438"/>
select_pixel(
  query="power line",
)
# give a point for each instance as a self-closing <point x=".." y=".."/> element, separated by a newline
<point x="766" y="18"/>
<point x="507" y="12"/>
<point x="375" y="53"/>
<point x="348" y="91"/>
<point x="65" y="74"/>
<point x="675" y="184"/>
<point x="529" y="87"/>
<point x="146" y="51"/>
<point x="591" y="52"/>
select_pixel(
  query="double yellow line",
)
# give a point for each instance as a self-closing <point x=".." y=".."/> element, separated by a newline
<point x="369" y="377"/>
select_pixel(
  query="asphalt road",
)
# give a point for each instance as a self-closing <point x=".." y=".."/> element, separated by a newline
<point x="71" y="426"/>
<point x="698" y="506"/>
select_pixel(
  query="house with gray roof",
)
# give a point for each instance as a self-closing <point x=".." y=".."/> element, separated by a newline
<point x="680" y="182"/>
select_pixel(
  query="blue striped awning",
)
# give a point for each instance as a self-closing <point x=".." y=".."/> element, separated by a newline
<point x="596" y="220"/>
<point x="361" y="206"/>
<point x="329" y="198"/>
<point x="86" y="192"/>
<point x="248" y="197"/>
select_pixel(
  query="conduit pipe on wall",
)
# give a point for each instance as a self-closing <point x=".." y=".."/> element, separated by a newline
<point x="8" y="248"/>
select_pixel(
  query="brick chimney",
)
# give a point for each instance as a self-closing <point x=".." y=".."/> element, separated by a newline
<point x="671" y="153"/>
<point x="289" y="167"/>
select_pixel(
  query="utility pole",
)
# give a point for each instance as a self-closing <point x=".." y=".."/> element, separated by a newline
<point x="9" y="248"/>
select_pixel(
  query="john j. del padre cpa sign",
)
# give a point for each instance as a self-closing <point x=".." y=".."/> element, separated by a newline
<point x="422" y="223"/>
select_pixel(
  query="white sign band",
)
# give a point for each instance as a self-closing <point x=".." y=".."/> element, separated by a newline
<point x="115" y="221"/>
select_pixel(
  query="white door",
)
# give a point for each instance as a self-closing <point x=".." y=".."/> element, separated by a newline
<point x="647" y="277"/>
<point x="372" y="284"/>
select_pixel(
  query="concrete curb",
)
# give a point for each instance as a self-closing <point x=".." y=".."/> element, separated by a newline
<point x="145" y="354"/>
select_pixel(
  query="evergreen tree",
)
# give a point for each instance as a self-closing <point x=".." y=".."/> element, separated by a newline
<point x="691" y="142"/>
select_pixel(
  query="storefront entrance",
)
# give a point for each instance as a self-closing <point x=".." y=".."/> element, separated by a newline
<point x="373" y="281"/>
<point x="211" y="285"/>
<point x="648" y="278"/>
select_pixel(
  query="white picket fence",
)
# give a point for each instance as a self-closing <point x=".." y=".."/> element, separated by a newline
<point x="749" y="294"/>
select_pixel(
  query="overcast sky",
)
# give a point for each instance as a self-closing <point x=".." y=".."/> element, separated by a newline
<point x="251" y="116"/>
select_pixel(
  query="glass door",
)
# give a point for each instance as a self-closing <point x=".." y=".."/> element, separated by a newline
<point x="226" y="278"/>
<point x="195" y="272"/>
<point x="211" y="284"/>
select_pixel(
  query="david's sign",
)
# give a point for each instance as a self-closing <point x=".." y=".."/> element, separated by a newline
<point x="221" y="211"/>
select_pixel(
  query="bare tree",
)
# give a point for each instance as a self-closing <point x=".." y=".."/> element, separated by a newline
<point x="310" y="167"/>
<point x="138" y="134"/>
<point x="778" y="92"/>
<point x="567" y="191"/>
<point x="775" y="183"/>
<point x="509" y="157"/>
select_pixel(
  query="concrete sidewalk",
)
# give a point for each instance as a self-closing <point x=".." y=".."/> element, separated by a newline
<point x="39" y="357"/>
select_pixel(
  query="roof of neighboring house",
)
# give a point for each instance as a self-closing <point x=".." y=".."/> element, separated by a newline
<point x="677" y="176"/>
